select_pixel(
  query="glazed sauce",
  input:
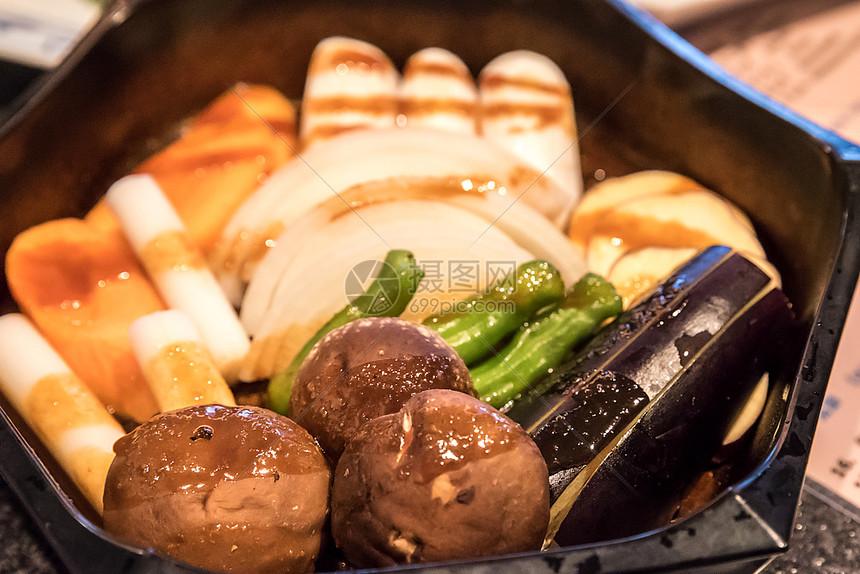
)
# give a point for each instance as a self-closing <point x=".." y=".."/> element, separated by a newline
<point x="59" y="404"/>
<point x="326" y="131"/>
<point x="422" y="107"/>
<point x="171" y="251"/>
<point x="66" y="260"/>
<point x="419" y="188"/>
<point x="196" y="449"/>
<point x="545" y="115"/>
<point x="376" y="105"/>
<point x="583" y="226"/>
<point x="245" y="248"/>
<point x="442" y="433"/>
<point x="183" y="374"/>
<point x="419" y="68"/>
<point x="499" y="81"/>
<point x="522" y="178"/>
<point x="632" y="232"/>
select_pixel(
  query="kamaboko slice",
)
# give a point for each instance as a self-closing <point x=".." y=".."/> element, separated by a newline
<point x="438" y="91"/>
<point x="527" y="107"/>
<point x="350" y="84"/>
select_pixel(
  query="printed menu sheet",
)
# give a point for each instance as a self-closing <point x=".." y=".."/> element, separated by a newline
<point x="811" y="64"/>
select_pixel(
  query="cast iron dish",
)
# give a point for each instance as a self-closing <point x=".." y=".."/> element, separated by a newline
<point x="645" y="99"/>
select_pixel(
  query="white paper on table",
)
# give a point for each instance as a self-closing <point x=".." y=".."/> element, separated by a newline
<point x="812" y="66"/>
<point x="40" y="33"/>
<point x="680" y="12"/>
<point x="835" y="459"/>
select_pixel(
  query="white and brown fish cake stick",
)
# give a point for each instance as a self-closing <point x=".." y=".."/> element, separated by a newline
<point x="527" y="107"/>
<point x="177" y="268"/>
<point x="68" y="418"/>
<point x="176" y="363"/>
<point x="350" y="84"/>
<point x="438" y="92"/>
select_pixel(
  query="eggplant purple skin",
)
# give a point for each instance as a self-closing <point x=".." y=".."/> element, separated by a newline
<point x="631" y="360"/>
<point x="702" y="311"/>
<point x="641" y="483"/>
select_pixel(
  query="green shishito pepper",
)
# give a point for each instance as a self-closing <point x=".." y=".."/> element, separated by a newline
<point x="387" y="296"/>
<point x="542" y="344"/>
<point x="483" y="320"/>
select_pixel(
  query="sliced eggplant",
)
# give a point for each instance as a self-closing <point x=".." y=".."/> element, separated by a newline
<point x="640" y="412"/>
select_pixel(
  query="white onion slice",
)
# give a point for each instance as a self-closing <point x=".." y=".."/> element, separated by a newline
<point x="528" y="229"/>
<point x="357" y="157"/>
<point x="302" y="282"/>
<point x="531" y="231"/>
